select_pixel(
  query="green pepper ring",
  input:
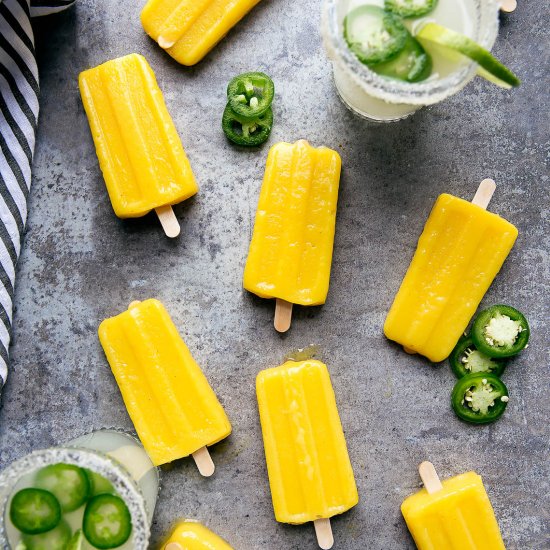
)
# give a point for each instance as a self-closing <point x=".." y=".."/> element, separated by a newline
<point x="367" y="54"/>
<point x="71" y="494"/>
<point x="28" y="500"/>
<point x="482" y="320"/>
<point x="398" y="9"/>
<point x="457" y="366"/>
<point x="91" y="523"/>
<point x="464" y="412"/>
<point x="418" y="62"/>
<point x="243" y="87"/>
<point x="264" y="122"/>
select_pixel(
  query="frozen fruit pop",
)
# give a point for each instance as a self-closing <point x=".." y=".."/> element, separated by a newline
<point x="309" y="469"/>
<point x="459" y="254"/>
<point x="139" y="150"/>
<point x="291" y="250"/>
<point x="189" y="29"/>
<point x="173" y="408"/>
<point x="191" y="535"/>
<point x="453" y="515"/>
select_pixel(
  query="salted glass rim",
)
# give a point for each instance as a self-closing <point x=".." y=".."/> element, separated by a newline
<point x="122" y="481"/>
<point x="395" y="91"/>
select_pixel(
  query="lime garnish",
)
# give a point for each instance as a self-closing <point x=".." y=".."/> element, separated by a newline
<point x="489" y="65"/>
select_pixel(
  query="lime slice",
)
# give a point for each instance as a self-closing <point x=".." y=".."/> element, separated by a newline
<point x="76" y="542"/>
<point x="492" y="78"/>
<point x="489" y="65"/>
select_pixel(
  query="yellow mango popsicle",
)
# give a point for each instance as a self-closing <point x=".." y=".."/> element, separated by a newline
<point x="459" y="253"/>
<point x="139" y="151"/>
<point x="309" y="469"/>
<point x="290" y="254"/>
<point x="189" y="29"/>
<point x="453" y="515"/>
<point x="191" y="535"/>
<point x="173" y="408"/>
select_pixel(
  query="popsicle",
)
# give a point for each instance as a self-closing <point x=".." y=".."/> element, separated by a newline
<point x="291" y="250"/>
<point x="191" y="535"/>
<point x="453" y="515"/>
<point x="459" y="254"/>
<point x="309" y="469"/>
<point x="139" y="151"/>
<point x="189" y="29"/>
<point x="173" y="408"/>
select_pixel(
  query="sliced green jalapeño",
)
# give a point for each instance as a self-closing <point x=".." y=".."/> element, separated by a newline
<point x="67" y="482"/>
<point x="479" y="398"/>
<point x="500" y="331"/>
<point x="55" y="539"/>
<point x="98" y="484"/>
<point x="248" y="133"/>
<point x="467" y="359"/>
<point x="410" y="8"/>
<point x="412" y="63"/>
<point x="34" y="511"/>
<point x="107" y="522"/>
<point x="374" y="35"/>
<point x="251" y="95"/>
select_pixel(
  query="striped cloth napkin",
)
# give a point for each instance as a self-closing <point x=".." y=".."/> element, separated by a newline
<point x="18" y="119"/>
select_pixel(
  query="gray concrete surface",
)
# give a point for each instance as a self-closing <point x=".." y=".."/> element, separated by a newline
<point x="81" y="264"/>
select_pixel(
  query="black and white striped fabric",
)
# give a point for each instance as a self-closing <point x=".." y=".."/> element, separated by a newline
<point x="18" y="119"/>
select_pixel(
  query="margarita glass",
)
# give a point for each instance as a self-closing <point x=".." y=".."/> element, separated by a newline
<point x="116" y="456"/>
<point x="382" y="99"/>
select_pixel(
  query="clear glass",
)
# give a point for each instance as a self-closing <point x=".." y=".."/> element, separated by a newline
<point x="115" y="455"/>
<point x="382" y="99"/>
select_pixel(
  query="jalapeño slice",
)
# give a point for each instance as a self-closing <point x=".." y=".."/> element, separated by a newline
<point x="374" y="35"/>
<point x="479" y="398"/>
<point x="249" y="133"/>
<point x="500" y="331"/>
<point x="107" y="522"/>
<point x="251" y="94"/>
<point x="56" y="539"/>
<point x="410" y="8"/>
<point x="34" y="511"/>
<point x="467" y="359"/>
<point x="412" y="63"/>
<point x="67" y="482"/>
<point x="98" y="484"/>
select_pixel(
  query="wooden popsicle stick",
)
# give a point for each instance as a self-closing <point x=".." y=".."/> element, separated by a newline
<point x="484" y="193"/>
<point x="204" y="461"/>
<point x="429" y="476"/>
<point x="323" y="530"/>
<point x="173" y="546"/>
<point x="164" y="43"/>
<point x="409" y="351"/>
<point x="168" y="221"/>
<point x="508" y="6"/>
<point x="283" y="315"/>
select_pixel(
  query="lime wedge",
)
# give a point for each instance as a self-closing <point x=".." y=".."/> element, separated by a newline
<point x="492" y="78"/>
<point x="76" y="541"/>
<point x="489" y="67"/>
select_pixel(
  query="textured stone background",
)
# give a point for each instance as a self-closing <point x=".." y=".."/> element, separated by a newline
<point x="81" y="264"/>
